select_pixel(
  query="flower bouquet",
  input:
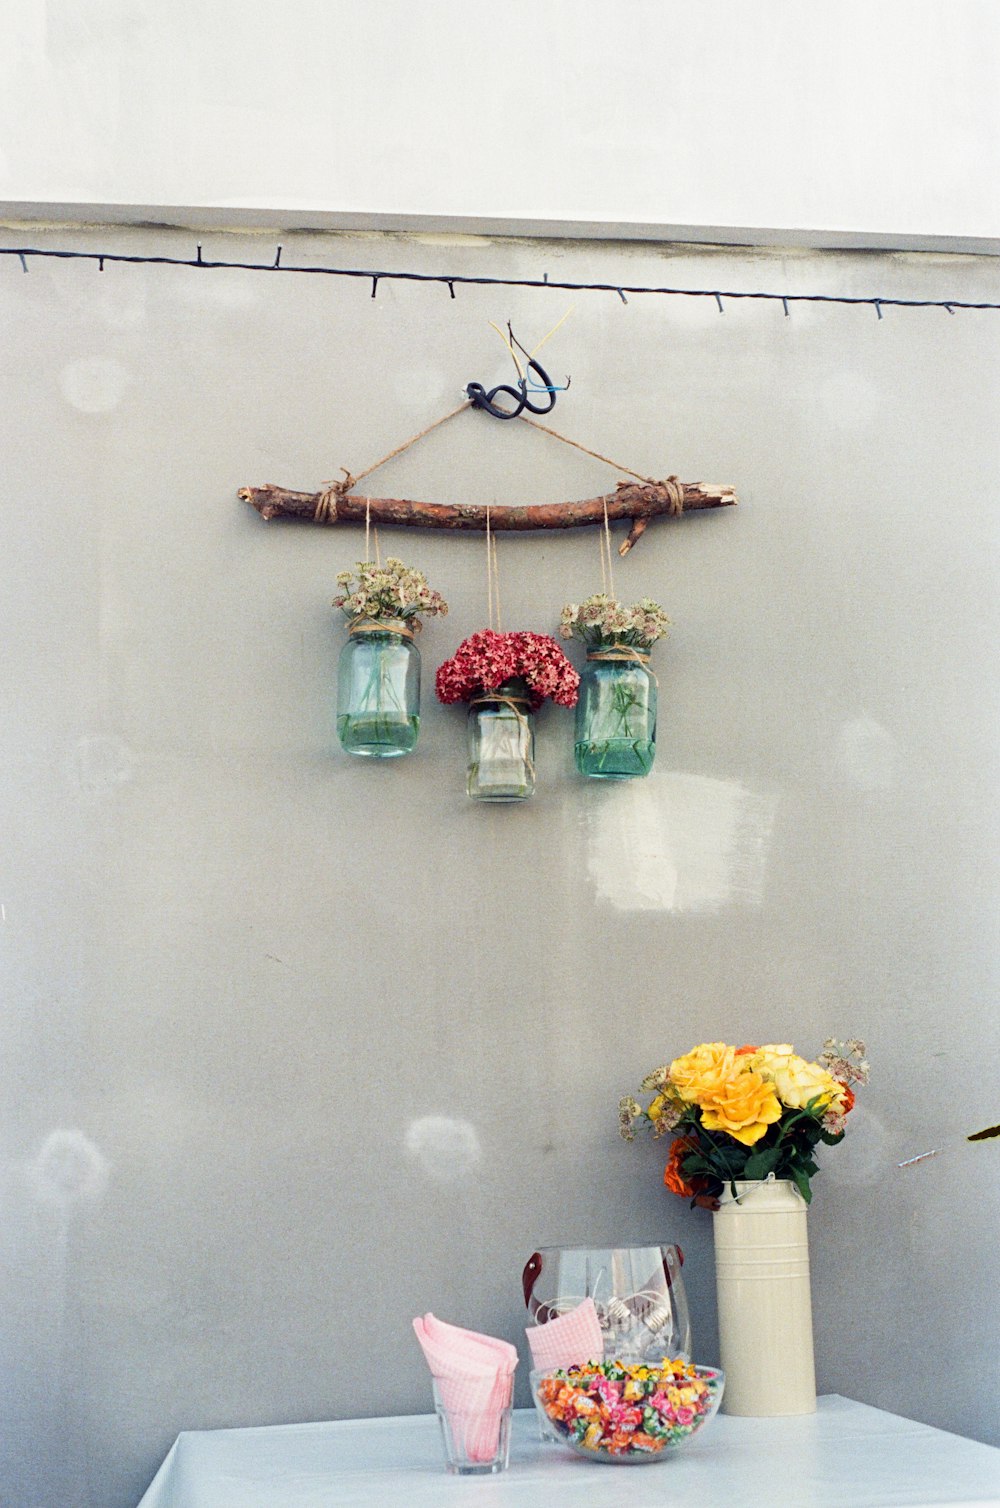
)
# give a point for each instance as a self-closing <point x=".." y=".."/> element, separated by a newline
<point x="603" y="623"/>
<point x="378" y="699"/>
<point x="746" y="1113"/>
<point x="387" y="593"/>
<point x="505" y="678"/>
<point x="745" y="1122"/>
<point x="616" y="712"/>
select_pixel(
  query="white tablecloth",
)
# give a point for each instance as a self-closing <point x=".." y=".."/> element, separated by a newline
<point x="846" y="1455"/>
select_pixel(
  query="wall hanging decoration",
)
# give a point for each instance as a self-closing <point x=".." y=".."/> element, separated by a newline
<point x="639" y="501"/>
<point x="378" y="681"/>
<point x="505" y="678"/>
<point x="616" y="710"/>
<point x="651" y="499"/>
<point x="745" y="1123"/>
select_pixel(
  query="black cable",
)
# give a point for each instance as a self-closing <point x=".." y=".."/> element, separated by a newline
<point x="451" y="280"/>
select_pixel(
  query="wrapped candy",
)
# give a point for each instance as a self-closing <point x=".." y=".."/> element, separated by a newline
<point x="619" y="1408"/>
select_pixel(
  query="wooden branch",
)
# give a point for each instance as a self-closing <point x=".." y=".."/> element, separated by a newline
<point x="636" y="501"/>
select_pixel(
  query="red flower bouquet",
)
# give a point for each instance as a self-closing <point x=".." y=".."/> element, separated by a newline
<point x="487" y="661"/>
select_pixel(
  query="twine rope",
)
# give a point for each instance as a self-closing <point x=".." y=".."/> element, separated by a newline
<point x="492" y="576"/>
<point x="607" y="573"/>
<point x="671" y="486"/>
<point x="624" y="652"/>
<point x="407" y="443"/>
<point x="387" y="626"/>
<point x="327" y="502"/>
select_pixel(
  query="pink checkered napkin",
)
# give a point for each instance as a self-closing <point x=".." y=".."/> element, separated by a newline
<point x="475" y="1375"/>
<point x="567" y="1341"/>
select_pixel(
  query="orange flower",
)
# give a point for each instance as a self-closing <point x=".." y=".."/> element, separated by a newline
<point x="672" y="1175"/>
<point x="846" y="1098"/>
<point x="741" y="1051"/>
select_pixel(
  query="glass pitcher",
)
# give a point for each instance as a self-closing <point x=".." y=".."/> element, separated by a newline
<point x="637" y="1291"/>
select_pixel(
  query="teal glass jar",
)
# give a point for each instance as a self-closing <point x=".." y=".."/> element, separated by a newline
<point x="501" y="730"/>
<point x="378" y="690"/>
<point x="616" y="715"/>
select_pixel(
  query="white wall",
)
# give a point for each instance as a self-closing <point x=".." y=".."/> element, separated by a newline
<point x="847" y="118"/>
<point x="240" y="969"/>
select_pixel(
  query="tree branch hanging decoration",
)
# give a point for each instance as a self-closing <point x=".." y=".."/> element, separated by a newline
<point x="504" y="677"/>
<point x="639" y="501"/>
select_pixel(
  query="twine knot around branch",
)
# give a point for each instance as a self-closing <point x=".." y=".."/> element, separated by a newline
<point x="673" y="491"/>
<point x="334" y="493"/>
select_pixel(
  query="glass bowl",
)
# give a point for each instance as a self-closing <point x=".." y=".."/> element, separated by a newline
<point x="626" y="1413"/>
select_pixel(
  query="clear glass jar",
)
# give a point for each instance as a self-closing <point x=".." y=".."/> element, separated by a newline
<point x="378" y="690"/>
<point x="616" y="716"/>
<point x="501" y="747"/>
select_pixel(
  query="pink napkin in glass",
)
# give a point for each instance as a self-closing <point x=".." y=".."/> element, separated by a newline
<point x="568" y="1340"/>
<point x="475" y="1378"/>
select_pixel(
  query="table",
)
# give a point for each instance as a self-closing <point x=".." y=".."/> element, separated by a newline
<point x="845" y="1453"/>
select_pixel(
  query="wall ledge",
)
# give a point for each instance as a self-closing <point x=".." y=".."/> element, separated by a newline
<point x="248" y="219"/>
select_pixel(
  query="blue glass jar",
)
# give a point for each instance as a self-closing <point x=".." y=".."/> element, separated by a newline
<point x="616" y="715"/>
<point x="378" y="689"/>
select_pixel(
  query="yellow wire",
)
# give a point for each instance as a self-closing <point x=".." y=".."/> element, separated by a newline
<point x="555" y="327"/>
<point x="510" y="348"/>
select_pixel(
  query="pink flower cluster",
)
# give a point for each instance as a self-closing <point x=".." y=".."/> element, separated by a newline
<point x="486" y="660"/>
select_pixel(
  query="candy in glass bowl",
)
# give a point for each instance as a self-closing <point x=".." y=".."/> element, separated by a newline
<point x="626" y="1413"/>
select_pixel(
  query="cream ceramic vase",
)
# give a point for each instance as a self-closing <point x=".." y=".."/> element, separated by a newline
<point x="765" y="1308"/>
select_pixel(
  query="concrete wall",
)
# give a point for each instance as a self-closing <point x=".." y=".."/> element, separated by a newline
<point x="296" y="1046"/>
<point x="846" y="118"/>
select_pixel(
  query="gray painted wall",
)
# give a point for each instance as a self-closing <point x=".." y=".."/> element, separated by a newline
<point x="296" y="1046"/>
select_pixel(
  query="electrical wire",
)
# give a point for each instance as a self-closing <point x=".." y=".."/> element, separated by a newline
<point x="451" y="280"/>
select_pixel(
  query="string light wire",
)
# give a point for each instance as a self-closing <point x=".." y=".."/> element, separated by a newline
<point x="878" y="302"/>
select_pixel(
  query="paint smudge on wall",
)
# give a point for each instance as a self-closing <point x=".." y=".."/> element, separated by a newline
<point x="446" y="1149"/>
<point x="94" y="384"/>
<point x="68" y="1170"/>
<point x="865" y="1156"/>
<point x="866" y="755"/>
<point x="101" y="764"/>
<point x="679" y="842"/>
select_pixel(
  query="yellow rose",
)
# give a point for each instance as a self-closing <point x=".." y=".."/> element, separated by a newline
<point x="796" y="1082"/>
<point x="700" y="1072"/>
<point x="744" y="1106"/>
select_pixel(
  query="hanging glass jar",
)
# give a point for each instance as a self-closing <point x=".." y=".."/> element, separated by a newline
<point x="616" y="715"/>
<point x="378" y="689"/>
<point x="501" y="746"/>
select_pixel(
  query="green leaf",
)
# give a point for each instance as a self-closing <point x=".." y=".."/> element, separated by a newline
<point x="802" y="1183"/>
<point x="762" y="1163"/>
